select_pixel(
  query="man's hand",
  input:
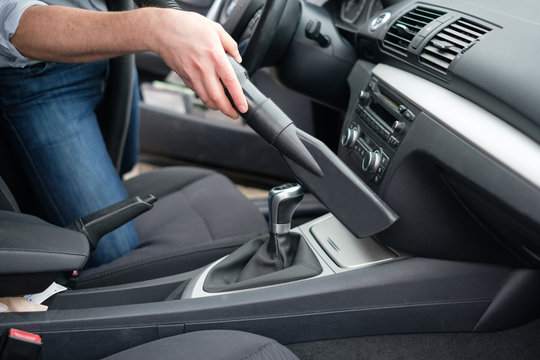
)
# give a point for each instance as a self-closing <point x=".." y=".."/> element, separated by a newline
<point x="196" y="49"/>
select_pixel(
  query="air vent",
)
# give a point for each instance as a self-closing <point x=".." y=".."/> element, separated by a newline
<point x="450" y="42"/>
<point x="401" y="33"/>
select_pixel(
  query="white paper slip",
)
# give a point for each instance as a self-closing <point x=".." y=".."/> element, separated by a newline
<point x="42" y="296"/>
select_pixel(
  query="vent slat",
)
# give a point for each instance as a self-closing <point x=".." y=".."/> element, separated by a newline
<point x="439" y="53"/>
<point x="395" y="45"/>
<point x="474" y="27"/>
<point x="412" y="21"/>
<point x="433" y="14"/>
<point x="459" y="35"/>
<point x="398" y="40"/>
<point x="399" y="49"/>
<point x="420" y="17"/>
<point x="435" y="62"/>
<point x="466" y="30"/>
<point x="460" y="43"/>
<point x="442" y="54"/>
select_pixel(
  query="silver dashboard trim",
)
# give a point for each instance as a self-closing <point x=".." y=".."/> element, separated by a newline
<point x="471" y="122"/>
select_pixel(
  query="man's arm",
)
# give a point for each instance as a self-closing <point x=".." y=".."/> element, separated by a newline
<point x="191" y="45"/>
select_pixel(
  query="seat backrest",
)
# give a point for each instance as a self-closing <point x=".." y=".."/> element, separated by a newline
<point x="7" y="201"/>
<point x="16" y="193"/>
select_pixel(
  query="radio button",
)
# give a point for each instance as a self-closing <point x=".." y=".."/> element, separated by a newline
<point x="377" y="179"/>
<point x="385" y="159"/>
<point x="380" y="170"/>
<point x="409" y="115"/>
<point x="402" y="109"/>
<point x="362" y="152"/>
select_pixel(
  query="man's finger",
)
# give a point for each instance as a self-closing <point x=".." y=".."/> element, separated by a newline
<point x="228" y="77"/>
<point x="216" y="95"/>
<point x="229" y="45"/>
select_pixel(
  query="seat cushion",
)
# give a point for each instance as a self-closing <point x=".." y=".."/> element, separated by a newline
<point x="200" y="216"/>
<point x="209" y="345"/>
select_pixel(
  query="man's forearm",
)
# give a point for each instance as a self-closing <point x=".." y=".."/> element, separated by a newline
<point x="190" y="44"/>
<point x="64" y="34"/>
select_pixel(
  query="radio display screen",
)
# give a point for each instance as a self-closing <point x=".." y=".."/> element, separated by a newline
<point x="389" y="102"/>
<point x="382" y="113"/>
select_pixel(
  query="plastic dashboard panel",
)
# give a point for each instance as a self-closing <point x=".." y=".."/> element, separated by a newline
<point x="500" y="72"/>
<point x="458" y="172"/>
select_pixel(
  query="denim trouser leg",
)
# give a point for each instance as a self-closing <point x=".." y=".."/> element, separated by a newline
<point x="48" y="114"/>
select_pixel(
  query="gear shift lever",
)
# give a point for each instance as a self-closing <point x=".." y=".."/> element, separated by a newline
<point x="282" y="201"/>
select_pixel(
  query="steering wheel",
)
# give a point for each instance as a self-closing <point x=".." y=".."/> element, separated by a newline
<point x="263" y="29"/>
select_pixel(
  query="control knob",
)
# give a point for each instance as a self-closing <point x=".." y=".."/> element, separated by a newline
<point x="371" y="162"/>
<point x="398" y="126"/>
<point x="364" y="95"/>
<point x="349" y="138"/>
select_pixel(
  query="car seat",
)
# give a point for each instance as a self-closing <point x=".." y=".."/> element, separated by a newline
<point x="200" y="217"/>
<point x="209" y="345"/>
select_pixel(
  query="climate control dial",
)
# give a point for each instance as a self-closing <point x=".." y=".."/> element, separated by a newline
<point x="349" y="138"/>
<point x="371" y="162"/>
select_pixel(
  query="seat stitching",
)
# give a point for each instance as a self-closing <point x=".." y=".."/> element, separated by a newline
<point x="268" y="345"/>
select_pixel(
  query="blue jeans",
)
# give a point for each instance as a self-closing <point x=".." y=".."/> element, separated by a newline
<point x="48" y="115"/>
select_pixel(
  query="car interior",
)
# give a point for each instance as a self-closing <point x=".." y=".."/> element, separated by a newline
<point x="379" y="200"/>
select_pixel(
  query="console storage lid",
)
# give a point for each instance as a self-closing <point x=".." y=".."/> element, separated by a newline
<point x="31" y="245"/>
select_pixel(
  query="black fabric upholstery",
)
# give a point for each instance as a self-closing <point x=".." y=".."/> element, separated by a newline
<point x="200" y="216"/>
<point x="209" y="345"/>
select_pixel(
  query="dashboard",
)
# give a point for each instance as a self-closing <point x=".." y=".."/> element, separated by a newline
<point x="482" y="50"/>
<point x="442" y="123"/>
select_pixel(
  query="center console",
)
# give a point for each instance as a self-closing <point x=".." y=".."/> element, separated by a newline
<point x="376" y="127"/>
<point x="335" y="248"/>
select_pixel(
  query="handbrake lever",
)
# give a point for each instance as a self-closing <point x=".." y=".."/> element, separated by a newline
<point x="97" y="224"/>
<point x="314" y="165"/>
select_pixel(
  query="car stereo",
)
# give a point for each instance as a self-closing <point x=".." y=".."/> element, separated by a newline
<point x="375" y="129"/>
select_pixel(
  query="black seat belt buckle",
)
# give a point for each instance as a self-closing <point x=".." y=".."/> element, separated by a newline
<point x="20" y="345"/>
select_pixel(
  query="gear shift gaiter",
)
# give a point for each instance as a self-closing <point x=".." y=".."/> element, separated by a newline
<point x="276" y="258"/>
